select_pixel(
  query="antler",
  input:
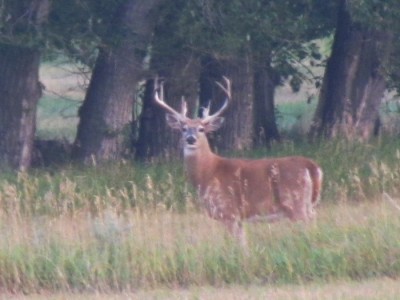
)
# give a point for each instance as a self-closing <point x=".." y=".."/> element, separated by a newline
<point x="227" y="90"/>
<point x="159" y="86"/>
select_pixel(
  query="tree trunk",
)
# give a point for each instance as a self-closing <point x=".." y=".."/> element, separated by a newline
<point x="238" y="130"/>
<point x="354" y="82"/>
<point x="20" y="88"/>
<point x="265" y="128"/>
<point x="174" y="63"/>
<point x="150" y="143"/>
<point x="210" y="72"/>
<point x="156" y="139"/>
<point x="106" y="114"/>
<point x="20" y="91"/>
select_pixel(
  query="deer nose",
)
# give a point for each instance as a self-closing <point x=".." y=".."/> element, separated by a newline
<point x="191" y="140"/>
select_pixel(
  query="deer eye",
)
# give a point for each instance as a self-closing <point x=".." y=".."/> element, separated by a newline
<point x="201" y="129"/>
<point x="184" y="128"/>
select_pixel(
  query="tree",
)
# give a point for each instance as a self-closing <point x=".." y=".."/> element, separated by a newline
<point x="175" y="63"/>
<point x="207" y="29"/>
<point x="265" y="126"/>
<point x="354" y="80"/>
<point x="20" y="49"/>
<point x="106" y="114"/>
<point x="267" y="41"/>
<point x="237" y="130"/>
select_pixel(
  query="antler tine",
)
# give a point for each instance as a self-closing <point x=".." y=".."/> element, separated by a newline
<point x="206" y="110"/>
<point x="184" y="108"/>
<point x="227" y="90"/>
<point x="159" y="87"/>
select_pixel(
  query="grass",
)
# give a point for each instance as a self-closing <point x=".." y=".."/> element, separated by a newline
<point x="379" y="289"/>
<point x="132" y="227"/>
<point x="57" y="118"/>
<point x="141" y="250"/>
<point x="65" y="85"/>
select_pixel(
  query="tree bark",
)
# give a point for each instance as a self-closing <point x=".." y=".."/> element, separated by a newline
<point x="20" y="91"/>
<point x="106" y="114"/>
<point x="354" y="82"/>
<point x="172" y="61"/>
<point x="20" y="88"/>
<point x="145" y="145"/>
<point x="209" y="73"/>
<point x="156" y="140"/>
<point x="265" y="127"/>
<point x="238" y="130"/>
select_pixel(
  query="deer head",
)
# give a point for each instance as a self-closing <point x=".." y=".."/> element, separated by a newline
<point x="193" y="130"/>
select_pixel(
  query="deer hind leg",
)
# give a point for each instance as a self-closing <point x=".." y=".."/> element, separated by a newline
<point x="282" y="197"/>
<point x="302" y="198"/>
<point x="296" y="201"/>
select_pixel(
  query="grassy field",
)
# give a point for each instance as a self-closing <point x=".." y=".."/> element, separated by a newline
<point x="130" y="227"/>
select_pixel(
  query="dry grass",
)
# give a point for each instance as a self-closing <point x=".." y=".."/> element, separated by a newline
<point x="379" y="289"/>
<point x="165" y="228"/>
<point x="189" y="250"/>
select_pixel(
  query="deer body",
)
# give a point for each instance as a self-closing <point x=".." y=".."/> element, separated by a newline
<point x="235" y="190"/>
<point x="240" y="189"/>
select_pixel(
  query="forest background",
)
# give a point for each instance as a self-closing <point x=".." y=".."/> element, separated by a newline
<point x="346" y="50"/>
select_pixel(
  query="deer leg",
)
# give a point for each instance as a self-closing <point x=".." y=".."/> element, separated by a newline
<point x="303" y="206"/>
<point x="235" y="228"/>
<point x="295" y="208"/>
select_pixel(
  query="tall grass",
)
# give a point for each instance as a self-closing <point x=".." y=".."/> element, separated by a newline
<point x="130" y="226"/>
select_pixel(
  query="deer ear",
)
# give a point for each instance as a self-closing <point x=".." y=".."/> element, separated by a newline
<point x="214" y="124"/>
<point x="173" y="121"/>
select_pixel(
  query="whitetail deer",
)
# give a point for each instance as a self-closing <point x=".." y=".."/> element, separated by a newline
<point x="234" y="190"/>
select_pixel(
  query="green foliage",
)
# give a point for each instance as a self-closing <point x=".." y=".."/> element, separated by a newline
<point x="382" y="18"/>
<point x="22" y="23"/>
<point x="279" y="33"/>
<point x="383" y="15"/>
<point x="79" y="27"/>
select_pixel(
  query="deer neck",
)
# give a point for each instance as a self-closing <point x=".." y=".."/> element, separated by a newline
<point x="199" y="165"/>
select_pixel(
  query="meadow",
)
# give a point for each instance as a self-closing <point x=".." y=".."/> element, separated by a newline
<point x="130" y="230"/>
<point x="127" y="227"/>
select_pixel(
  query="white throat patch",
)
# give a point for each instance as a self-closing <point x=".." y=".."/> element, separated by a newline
<point x="189" y="151"/>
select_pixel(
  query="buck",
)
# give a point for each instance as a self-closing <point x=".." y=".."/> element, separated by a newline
<point x="237" y="190"/>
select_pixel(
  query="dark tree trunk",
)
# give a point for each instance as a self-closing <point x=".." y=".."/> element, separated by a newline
<point x="209" y="73"/>
<point x="265" y="128"/>
<point x="107" y="109"/>
<point x="354" y="82"/>
<point x="20" y="88"/>
<point x="20" y="91"/>
<point x="106" y="114"/>
<point x="238" y="129"/>
<point x="156" y="140"/>
<point x="149" y="143"/>
<point x="179" y="69"/>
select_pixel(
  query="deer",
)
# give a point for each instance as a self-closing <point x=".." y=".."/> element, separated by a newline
<point x="237" y="190"/>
